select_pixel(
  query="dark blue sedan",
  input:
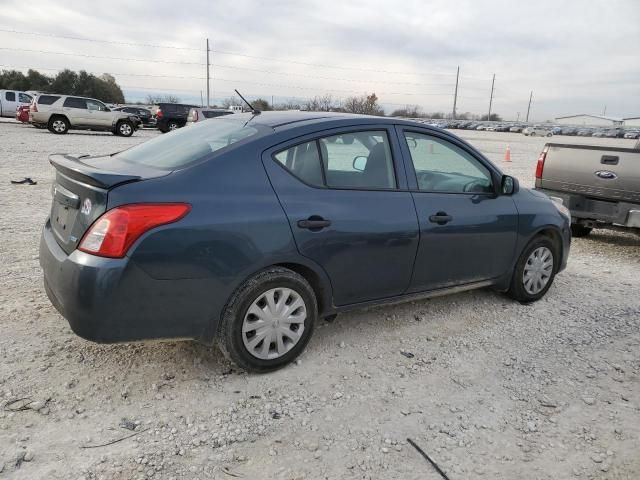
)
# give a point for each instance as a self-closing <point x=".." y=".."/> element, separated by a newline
<point x="243" y="230"/>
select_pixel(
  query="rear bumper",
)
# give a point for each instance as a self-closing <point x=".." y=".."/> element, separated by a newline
<point x="593" y="212"/>
<point x="112" y="300"/>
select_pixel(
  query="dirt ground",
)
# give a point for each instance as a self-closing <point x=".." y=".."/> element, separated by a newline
<point x="487" y="387"/>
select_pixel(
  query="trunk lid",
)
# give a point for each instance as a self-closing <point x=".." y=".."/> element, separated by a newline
<point x="600" y="172"/>
<point x="81" y="190"/>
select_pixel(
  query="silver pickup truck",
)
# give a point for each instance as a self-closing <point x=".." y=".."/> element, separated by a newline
<point x="599" y="185"/>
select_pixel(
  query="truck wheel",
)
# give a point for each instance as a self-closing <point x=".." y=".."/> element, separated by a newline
<point x="58" y="125"/>
<point x="535" y="270"/>
<point x="268" y="321"/>
<point x="124" y="128"/>
<point x="578" y="230"/>
<point x="532" y="134"/>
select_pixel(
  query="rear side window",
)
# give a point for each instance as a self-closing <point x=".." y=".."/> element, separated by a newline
<point x="24" y="98"/>
<point x="188" y="145"/>
<point x="73" y="102"/>
<point x="304" y="162"/>
<point x="10" y="96"/>
<point x="358" y="160"/>
<point x="47" y="99"/>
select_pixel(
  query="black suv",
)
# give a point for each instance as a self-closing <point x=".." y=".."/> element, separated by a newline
<point x="170" y="116"/>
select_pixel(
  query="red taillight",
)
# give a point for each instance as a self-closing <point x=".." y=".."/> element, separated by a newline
<point x="113" y="233"/>
<point x="159" y="114"/>
<point x="195" y="115"/>
<point x="34" y="106"/>
<point x="540" y="165"/>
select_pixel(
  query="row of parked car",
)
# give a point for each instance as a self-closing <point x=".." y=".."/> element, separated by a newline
<point x="534" y="130"/>
<point x="61" y="113"/>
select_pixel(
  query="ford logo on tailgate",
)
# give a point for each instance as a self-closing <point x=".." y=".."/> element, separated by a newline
<point x="607" y="175"/>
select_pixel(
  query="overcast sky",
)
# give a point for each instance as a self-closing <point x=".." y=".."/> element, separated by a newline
<point x="576" y="56"/>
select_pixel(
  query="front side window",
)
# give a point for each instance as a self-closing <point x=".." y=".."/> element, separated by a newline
<point x="358" y="160"/>
<point x="10" y="96"/>
<point x="96" y="106"/>
<point x="443" y="167"/>
<point x="304" y="162"/>
<point x="24" y="98"/>
<point x="74" y="102"/>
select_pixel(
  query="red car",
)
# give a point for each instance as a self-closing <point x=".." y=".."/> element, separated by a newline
<point x="22" y="113"/>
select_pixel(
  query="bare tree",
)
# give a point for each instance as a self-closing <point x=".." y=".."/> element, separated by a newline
<point x="153" y="99"/>
<point x="411" y="111"/>
<point x="324" y="103"/>
<point x="365" y="104"/>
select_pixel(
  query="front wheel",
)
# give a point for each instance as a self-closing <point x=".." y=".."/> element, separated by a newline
<point x="58" y="125"/>
<point x="268" y="321"/>
<point x="535" y="270"/>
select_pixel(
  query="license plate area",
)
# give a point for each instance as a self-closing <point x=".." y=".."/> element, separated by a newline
<point x="62" y="218"/>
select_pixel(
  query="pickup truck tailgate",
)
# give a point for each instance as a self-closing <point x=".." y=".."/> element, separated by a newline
<point x="599" y="172"/>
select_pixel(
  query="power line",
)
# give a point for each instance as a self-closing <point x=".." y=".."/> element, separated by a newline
<point x="99" y="56"/>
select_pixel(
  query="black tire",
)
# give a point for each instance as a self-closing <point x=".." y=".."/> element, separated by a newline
<point x="517" y="289"/>
<point x="124" y="128"/>
<point x="172" y="125"/>
<point x="58" y="125"/>
<point x="549" y="134"/>
<point x="532" y="134"/>
<point x="230" y="338"/>
<point x="579" y="231"/>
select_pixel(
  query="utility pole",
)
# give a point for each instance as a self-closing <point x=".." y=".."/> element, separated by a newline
<point x="518" y="119"/>
<point x="529" y="107"/>
<point x="491" y="97"/>
<point x="208" y="104"/>
<point x="201" y="100"/>
<point x="455" y="94"/>
<point x="604" y="112"/>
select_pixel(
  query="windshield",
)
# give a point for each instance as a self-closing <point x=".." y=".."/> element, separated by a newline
<point x="189" y="144"/>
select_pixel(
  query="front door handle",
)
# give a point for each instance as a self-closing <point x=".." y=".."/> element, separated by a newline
<point x="314" y="223"/>
<point x="440" y="218"/>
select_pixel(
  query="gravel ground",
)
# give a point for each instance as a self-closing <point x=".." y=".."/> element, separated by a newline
<point x="487" y="387"/>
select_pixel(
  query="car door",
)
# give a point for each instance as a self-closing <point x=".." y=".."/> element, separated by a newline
<point x="75" y="109"/>
<point x="349" y="209"/>
<point x="467" y="231"/>
<point x="9" y="103"/>
<point x="99" y="114"/>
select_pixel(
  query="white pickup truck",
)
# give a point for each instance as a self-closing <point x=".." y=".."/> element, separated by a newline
<point x="599" y="185"/>
<point x="10" y="100"/>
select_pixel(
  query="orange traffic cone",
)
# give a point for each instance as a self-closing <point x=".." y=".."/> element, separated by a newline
<point x="507" y="154"/>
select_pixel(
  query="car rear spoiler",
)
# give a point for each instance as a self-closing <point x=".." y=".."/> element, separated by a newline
<point x="71" y="166"/>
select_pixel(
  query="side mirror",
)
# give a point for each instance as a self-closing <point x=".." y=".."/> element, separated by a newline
<point x="509" y="185"/>
<point x="360" y="163"/>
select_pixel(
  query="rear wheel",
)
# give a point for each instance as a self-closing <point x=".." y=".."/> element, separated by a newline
<point x="535" y="270"/>
<point x="268" y="320"/>
<point x="532" y="134"/>
<point x="173" y="125"/>
<point x="58" y="125"/>
<point x="578" y="230"/>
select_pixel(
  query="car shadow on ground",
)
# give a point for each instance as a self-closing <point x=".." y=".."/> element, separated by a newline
<point x="622" y="239"/>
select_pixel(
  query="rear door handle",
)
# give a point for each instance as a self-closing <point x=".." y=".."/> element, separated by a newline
<point x="440" y="218"/>
<point x="314" y="223"/>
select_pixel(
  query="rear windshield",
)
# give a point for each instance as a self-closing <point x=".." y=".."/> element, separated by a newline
<point x="188" y="145"/>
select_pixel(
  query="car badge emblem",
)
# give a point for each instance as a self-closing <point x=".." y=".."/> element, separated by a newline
<point x="86" y="207"/>
<point x="606" y="175"/>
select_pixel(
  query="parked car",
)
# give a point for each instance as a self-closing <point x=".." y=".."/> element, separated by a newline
<point x="599" y="185"/>
<point x="584" y="132"/>
<point x="537" y="131"/>
<point x="599" y="133"/>
<point x="614" y="133"/>
<point x="171" y="116"/>
<point x="556" y="130"/>
<point x="199" y="114"/>
<point x="10" y="100"/>
<point x="517" y="128"/>
<point x="244" y="229"/>
<point x="632" y="134"/>
<point x="143" y="114"/>
<point x="568" y="131"/>
<point x="61" y="113"/>
<point x="22" y="113"/>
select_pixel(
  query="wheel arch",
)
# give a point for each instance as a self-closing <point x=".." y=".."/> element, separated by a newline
<point x="552" y="234"/>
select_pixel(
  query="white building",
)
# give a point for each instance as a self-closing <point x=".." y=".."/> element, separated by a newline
<point x="632" y="122"/>
<point x="589" y="120"/>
